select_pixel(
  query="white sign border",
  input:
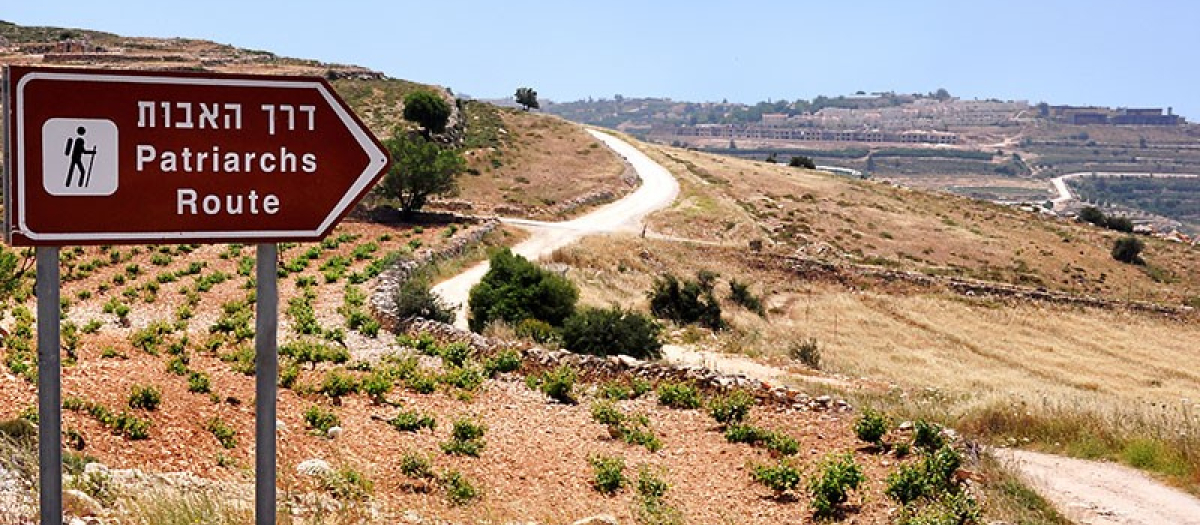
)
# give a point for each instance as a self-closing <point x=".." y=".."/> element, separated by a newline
<point x="378" y="158"/>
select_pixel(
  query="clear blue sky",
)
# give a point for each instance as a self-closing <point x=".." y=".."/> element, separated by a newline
<point x="1073" y="52"/>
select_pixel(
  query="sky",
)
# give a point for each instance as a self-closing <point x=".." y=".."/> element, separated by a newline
<point x="1112" y="53"/>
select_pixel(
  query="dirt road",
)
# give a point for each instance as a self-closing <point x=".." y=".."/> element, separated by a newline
<point x="657" y="191"/>
<point x="1096" y="493"/>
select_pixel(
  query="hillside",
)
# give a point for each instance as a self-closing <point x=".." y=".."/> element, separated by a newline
<point x="515" y="159"/>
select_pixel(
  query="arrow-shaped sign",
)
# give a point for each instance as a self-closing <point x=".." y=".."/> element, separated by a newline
<point x="110" y="157"/>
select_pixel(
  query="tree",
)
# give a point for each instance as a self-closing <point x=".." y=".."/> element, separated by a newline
<point x="428" y="110"/>
<point x="420" y="168"/>
<point x="686" y="301"/>
<point x="1128" y="249"/>
<point x="515" y="289"/>
<point x="527" y="98"/>
<point x="800" y="161"/>
<point x="1093" y="215"/>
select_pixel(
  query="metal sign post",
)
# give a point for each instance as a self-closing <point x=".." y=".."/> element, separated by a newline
<point x="49" y="387"/>
<point x="196" y="158"/>
<point x="266" y="323"/>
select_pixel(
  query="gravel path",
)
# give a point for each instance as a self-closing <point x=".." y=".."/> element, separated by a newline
<point x="1097" y="493"/>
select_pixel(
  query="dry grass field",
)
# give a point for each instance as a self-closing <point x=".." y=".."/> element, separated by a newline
<point x="734" y="201"/>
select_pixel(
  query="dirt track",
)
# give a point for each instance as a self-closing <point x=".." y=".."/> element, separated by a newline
<point x="1096" y="493"/>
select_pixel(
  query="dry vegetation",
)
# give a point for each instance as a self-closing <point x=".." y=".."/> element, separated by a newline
<point x="734" y="200"/>
<point x="537" y="166"/>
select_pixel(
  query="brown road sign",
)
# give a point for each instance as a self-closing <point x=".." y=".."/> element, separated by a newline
<point x="111" y="157"/>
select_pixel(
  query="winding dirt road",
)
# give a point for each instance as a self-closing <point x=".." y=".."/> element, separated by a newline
<point x="657" y="191"/>
<point x="1087" y="492"/>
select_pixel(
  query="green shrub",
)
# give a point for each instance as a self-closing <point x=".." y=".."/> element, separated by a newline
<point x="871" y="426"/>
<point x="612" y="331"/>
<point x="377" y="385"/>
<point x="225" y="434"/>
<point x="320" y="420"/>
<point x="337" y="384"/>
<point x="927" y="436"/>
<point x="150" y="338"/>
<point x="608" y="474"/>
<point x="678" y="395"/>
<point x="313" y="353"/>
<point x="503" y="362"/>
<point x="466" y="378"/>
<point x="413" y="421"/>
<point x="466" y="439"/>
<point x="687" y="301"/>
<point x="831" y="484"/>
<point x="414" y="298"/>
<point x="732" y="408"/>
<point x="289" y="372"/>
<point x="781" y="477"/>
<point x="348" y="484"/>
<point x="538" y="330"/>
<point x="1128" y="250"/>
<point x="147" y="397"/>
<point x="178" y="365"/>
<point x="940" y="467"/>
<point x="632" y="429"/>
<point x="906" y="484"/>
<point x="740" y="294"/>
<point x="455" y="354"/>
<point x="649" y="485"/>
<point x="515" y="289"/>
<point x="199" y="383"/>
<point x="951" y="509"/>
<point x="749" y="434"/>
<point x="415" y="466"/>
<point x="780" y="444"/>
<point x="557" y="384"/>
<point x="459" y="489"/>
<point x="421" y="383"/>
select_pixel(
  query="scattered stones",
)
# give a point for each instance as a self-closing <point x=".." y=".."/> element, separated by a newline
<point x="314" y="468"/>
<point x="77" y="503"/>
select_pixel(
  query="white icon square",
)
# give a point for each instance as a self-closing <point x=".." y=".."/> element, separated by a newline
<point x="79" y="157"/>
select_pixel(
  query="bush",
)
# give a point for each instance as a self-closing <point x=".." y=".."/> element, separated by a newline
<point x="414" y="299"/>
<point x="415" y="466"/>
<point x="466" y="378"/>
<point x="1128" y="250"/>
<point x="428" y="109"/>
<point x="678" y="395"/>
<point x="377" y="386"/>
<point x="608" y="474"/>
<point x="740" y="294"/>
<point x="687" y="301"/>
<point x="225" y="434"/>
<point x="649" y="485"/>
<point x="320" y="420"/>
<point x="199" y="383"/>
<point x="732" y="408"/>
<point x="412" y="421"/>
<point x="557" y="384"/>
<point x="505" y="361"/>
<point x="927" y="436"/>
<point x="830" y="486"/>
<point x="871" y="427"/>
<point x="147" y="397"/>
<point x="538" y="330"/>
<point x="611" y="331"/>
<point x="466" y="439"/>
<point x="781" y="478"/>
<point x="459" y="489"/>
<point x="337" y="384"/>
<point x="515" y="289"/>
<point x="906" y="484"/>
<point x="807" y="352"/>
<point x="634" y="429"/>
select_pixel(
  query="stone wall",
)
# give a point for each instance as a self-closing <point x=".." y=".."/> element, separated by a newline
<point x="383" y="306"/>
<point x="596" y="368"/>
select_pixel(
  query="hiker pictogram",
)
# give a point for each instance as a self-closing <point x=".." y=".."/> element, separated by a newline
<point x="79" y="157"/>
<point x="76" y="149"/>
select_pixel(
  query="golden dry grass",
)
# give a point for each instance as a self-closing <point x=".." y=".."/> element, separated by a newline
<point x="542" y="163"/>
<point x="735" y="200"/>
